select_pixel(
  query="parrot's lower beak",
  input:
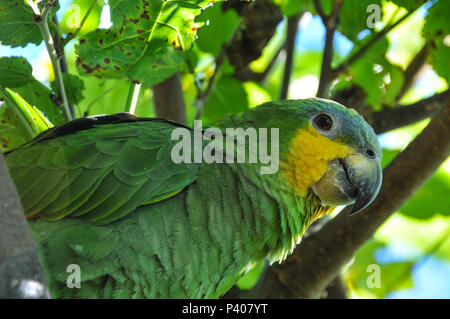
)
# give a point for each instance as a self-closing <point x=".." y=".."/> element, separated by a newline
<point x="354" y="179"/>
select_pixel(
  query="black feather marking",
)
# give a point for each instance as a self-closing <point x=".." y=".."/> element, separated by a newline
<point x="87" y="123"/>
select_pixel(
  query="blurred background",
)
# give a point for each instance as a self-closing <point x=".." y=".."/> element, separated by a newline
<point x="413" y="246"/>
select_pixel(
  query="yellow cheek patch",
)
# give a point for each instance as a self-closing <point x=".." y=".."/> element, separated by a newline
<point x="308" y="157"/>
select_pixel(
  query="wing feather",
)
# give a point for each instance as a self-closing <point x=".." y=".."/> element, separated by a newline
<point x="99" y="169"/>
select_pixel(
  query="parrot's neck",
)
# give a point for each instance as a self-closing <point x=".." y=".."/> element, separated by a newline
<point x="293" y="212"/>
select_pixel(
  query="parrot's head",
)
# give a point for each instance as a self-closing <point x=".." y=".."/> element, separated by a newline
<point x="329" y="150"/>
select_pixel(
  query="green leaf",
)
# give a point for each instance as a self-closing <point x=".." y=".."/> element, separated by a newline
<point x="353" y="17"/>
<point x="409" y="5"/>
<point x="219" y="29"/>
<point x="291" y="7"/>
<point x="388" y="156"/>
<point x="15" y="71"/>
<point x="327" y="6"/>
<point x="109" y="96"/>
<point x="27" y="119"/>
<point x="396" y="276"/>
<point x="75" y="13"/>
<point x="140" y="30"/>
<point x="437" y="32"/>
<point x="10" y="138"/>
<point x="16" y="24"/>
<point x="157" y="67"/>
<point x="422" y="235"/>
<point x="74" y="87"/>
<point x="431" y="199"/>
<point x="41" y="97"/>
<point x="380" y="79"/>
<point x="249" y="280"/>
<point x="227" y="96"/>
<point x="393" y="276"/>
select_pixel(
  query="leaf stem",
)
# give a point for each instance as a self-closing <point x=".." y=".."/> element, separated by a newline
<point x="61" y="56"/>
<point x="132" y="97"/>
<point x="49" y="44"/>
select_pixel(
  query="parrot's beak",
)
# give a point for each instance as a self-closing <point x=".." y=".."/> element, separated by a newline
<point x="354" y="179"/>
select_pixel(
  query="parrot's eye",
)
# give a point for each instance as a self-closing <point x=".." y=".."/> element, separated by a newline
<point x="323" y="121"/>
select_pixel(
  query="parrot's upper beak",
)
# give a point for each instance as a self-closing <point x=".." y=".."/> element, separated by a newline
<point x="354" y="179"/>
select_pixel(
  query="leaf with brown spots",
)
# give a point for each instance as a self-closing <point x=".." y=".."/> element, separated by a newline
<point x="437" y="32"/>
<point x="41" y="97"/>
<point x="27" y="119"/>
<point x="9" y="136"/>
<point x="74" y="88"/>
<point x="16" y="24"/>
<point x="15" y="71"/>
<point x="141" y="30"/>
<point x="155" y="68"/>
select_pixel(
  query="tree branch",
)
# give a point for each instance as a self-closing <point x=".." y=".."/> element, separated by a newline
<point x="412" y="70"/>
<point x="260" y="19"/>
<point x="390" y="118"/>
<point x="168" y="99"/>
<point x="42" y="21"/>
<point x="330" y="23"/>
<point x="319" y="257"/>
<point x="61" y="56"/>
<point x="292" y="28"/>
<point x="402" y="115"/>
<point x="336" y="289"/>
<point x="21" y="274"/>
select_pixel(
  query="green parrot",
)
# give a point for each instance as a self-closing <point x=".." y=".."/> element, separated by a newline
<point x="105" y="194"/>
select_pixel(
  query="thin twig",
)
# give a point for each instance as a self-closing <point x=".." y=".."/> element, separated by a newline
<point x="330" y="23"/>
<point x="71" y="36"/>
<point x="366" y="46"/>
<point x="98" y="97"/>
<point x="203" y="96"/>
<point x="412" y="70"/>
<point x="291" y="36"/>
<point x="42" y="20"/>
<point x="61" y="55"/>
<point x="319" y="9"/>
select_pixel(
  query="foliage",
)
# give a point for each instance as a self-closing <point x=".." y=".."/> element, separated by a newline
<point x="150" y="41"/>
